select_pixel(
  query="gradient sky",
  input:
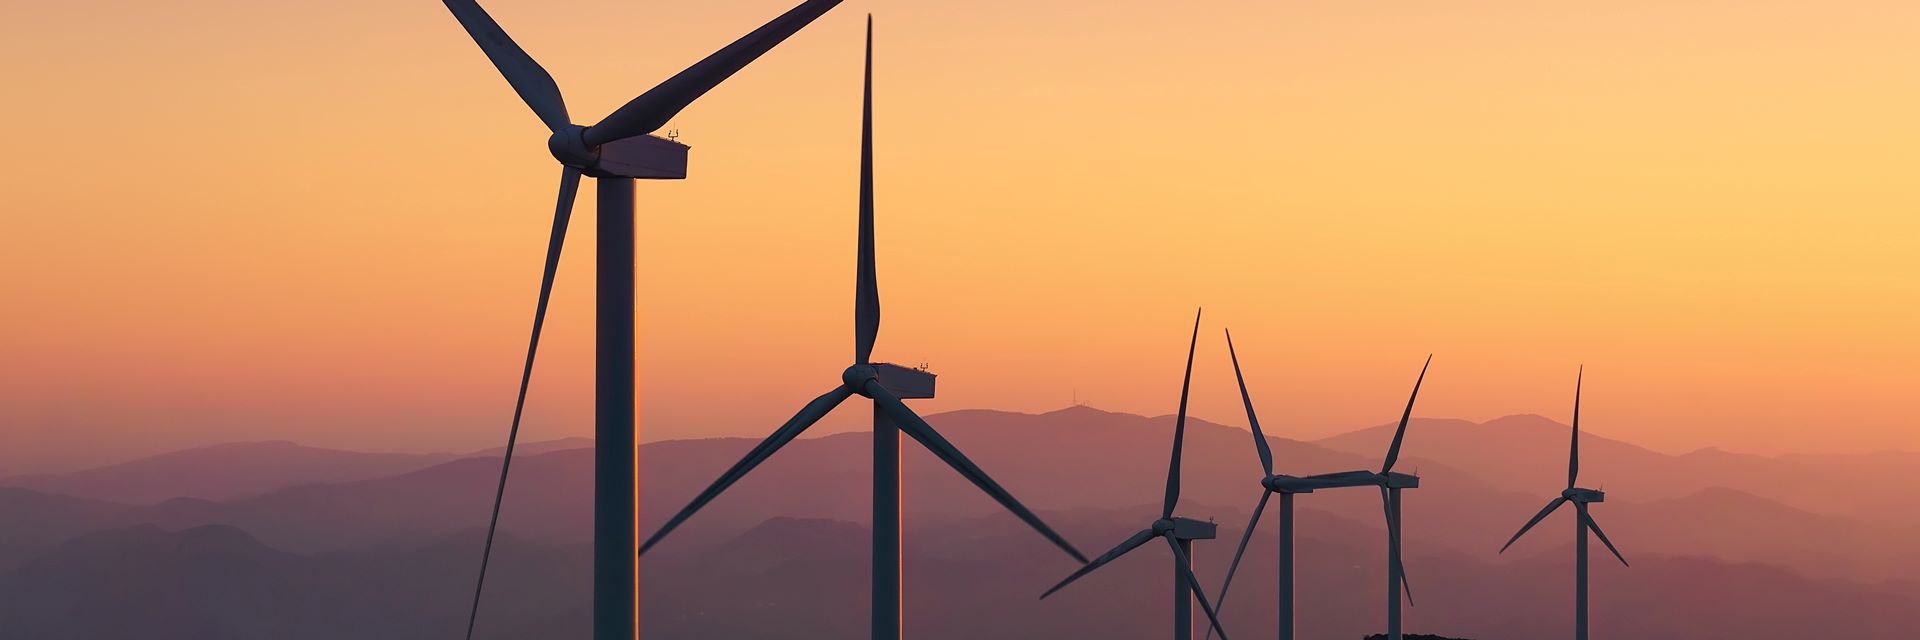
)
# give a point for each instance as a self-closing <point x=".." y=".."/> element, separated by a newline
<point x="231" y="220"/>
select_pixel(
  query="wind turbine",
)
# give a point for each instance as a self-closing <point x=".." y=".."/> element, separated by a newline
<point x="615" y="152"/>
<point x="1390" y="484"/>
<point x="1287" y="486"/>
<point x="886" y="384"/>
<point x="1270" y="483"/>
<point x="1583" y="521"/>
<point x="1178" y="532"/>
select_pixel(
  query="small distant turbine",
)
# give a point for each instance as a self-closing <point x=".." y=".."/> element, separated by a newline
<point x="1583" y="521"/>
<point x="1390" y="484"/>
<point x="1178" y="532"/>
<point x="615" y="151"/>
<point x="886" y="384"/>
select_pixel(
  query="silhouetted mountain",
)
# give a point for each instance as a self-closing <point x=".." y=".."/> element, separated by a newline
<point x="223" y="472"/>
<point x="782" y="555"/>
<point x="536" y="448"/>
<point x="1073" y="459"/>
<point x="409" y="508"/>
<point x="806" y="578"/>
<point x="32" y="522"/>
<point x="550" y="500"/>
<point x="1728" y="523"/>
<point x="980" y="579"/>
<point x="208" y="582"/>
<point x="216" y="582"/>
<point x="1529" y="451"/>
<point x="245" y="469"/>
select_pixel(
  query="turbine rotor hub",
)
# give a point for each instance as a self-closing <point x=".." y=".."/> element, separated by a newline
<point x="568" y="144"/>
<point x="1284" y="484"/>
<point x="857" y="376"/>
<point x="1162" y="526"/>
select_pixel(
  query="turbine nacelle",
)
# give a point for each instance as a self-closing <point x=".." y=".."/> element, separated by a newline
<point x="1288" y="484"/>
<point x="1185" y="528"/>
<point x="1390" y="480"/>
<point x="1584" y="495"/>
<point x="904" y="382"/>
<point x="645" y="157"/>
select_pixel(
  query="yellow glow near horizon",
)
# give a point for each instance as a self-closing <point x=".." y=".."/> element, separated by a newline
<point x="232" y="220"/>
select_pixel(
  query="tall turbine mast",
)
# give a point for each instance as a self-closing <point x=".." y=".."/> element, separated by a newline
<point x="887" y="385"/>
<point x="615" y="152"/>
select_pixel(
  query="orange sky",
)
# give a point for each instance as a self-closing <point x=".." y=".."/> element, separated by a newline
<point x="323" y="221"/>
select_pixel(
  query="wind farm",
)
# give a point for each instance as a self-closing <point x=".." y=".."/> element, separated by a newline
<point x="257" y="373"/>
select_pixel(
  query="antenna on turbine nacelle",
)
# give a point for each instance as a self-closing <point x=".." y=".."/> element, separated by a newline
<point x="673" y="135"/>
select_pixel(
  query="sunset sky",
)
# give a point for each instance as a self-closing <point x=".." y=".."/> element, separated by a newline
<point x="323" y="221"/>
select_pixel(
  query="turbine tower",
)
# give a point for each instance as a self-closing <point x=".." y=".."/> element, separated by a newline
<point x="1178" y="532"/>
<point x="615" y="152"/>
<point x="1583" y="521"/>
<point x="886" y="384"/>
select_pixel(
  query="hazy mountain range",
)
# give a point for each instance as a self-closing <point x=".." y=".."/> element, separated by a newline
<point x="275" y="540"/>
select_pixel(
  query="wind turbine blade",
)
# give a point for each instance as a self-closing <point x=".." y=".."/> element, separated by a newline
<point x="779" y="438"/>
<point x="1180" y="427"/>
<point x="1406" y="585"/>
<point x="915" y="426"/>
<point x="1118" y="550"/>
<point x="562" y="213"/>
<point x="651" y="110"/>
<point x="1595" y="526"/>
<point x="529" y="79"/>
<point x="1193" y="581"/>
<point x="1252" y="523"/>
<point x="1393" y="538"/>
<point x="1573" y="453"/>
<point x="1346" y="475"/>
<point x="1259" y="439"/>
<point x="1393" y="451"/>
<point x="1555" y="504"/>
<point x="866" y="295"/>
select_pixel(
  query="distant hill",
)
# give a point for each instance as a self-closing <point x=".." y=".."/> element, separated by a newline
<point x="550" y="500"/>
<point x="536" y="448"/>
<point x="223" y="472"/>
<point x="1045" y="460"/>
<point x="798" y="520"/>
<point x="217" y="583"/>
<point x="32" y="522"/>
<point x="1529" y="452"/>
<point x="806" y="578"/>
<point x="244" y="469"/>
